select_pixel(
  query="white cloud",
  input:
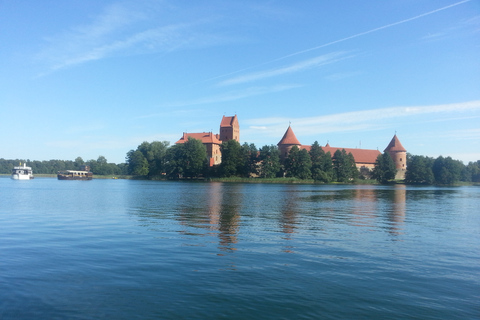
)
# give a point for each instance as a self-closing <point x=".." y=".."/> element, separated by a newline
<point x="360" y="120"/>
<point x="299" y="66"/>
<point x="228" y="96"/>
<point x="121" y="30"/>
<point x="466" y="134"/>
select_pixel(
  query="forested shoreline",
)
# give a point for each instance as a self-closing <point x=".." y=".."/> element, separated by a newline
<point x="159" y="160"/>
<point x="99" y="167"/>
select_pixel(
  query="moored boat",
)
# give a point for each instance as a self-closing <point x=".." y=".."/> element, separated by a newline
<point x="22" y="173"/>
<point x="84" y="174"/>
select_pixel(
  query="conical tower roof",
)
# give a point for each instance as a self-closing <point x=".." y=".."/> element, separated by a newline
<point x="395" y="145"/>
<point x="289" y="138"/>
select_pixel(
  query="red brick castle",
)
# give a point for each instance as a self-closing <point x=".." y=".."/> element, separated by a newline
<point x="230" y="130"/>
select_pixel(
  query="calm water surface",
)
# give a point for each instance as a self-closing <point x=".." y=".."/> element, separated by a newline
<point x="119" y="249"/>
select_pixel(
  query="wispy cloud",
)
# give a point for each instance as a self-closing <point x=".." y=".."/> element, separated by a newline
<point x="228" y="96"/>
<point x="166" y="38"/>
<point x="357" y="35"/>
<point x="375" y="29"/>
<point x="464" y="28"/>
<point x="120" y="30"/>
<point x="466" y="134"/>
<point x="296" y="67"/>
<point x="358" y="120"/>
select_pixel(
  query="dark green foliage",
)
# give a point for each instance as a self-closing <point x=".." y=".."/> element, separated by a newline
<point x="298" y="164"/>
<point x="78" y="163"/>
<point x="269" y="161"/>
<point x="232" y="160"/>
<point x="173" y="167"/>
<point x="152" y="161"/>
<point x="303" y="170"/>
<point x="155" y="154"/>
<point x="187" y="160"/>
<point x="419" y="170"/>
<point x="249" y="153"/>
<point x="446" y="170"/>
<point x="98" y="167"/>
<point x="137" y="163"/>
<point x="385" y="169"/>
<point x="327" y="167"/>
<point x="344" y="166"/>
<point x="291" y="162"/>
<point x="471" y="172"/>
<point x="316" y="154"/>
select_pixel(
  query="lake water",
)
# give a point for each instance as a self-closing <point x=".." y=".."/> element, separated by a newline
<point x="120" y="249"/>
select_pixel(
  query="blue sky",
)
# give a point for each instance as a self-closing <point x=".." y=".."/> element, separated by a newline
<point x="90" y="78"/>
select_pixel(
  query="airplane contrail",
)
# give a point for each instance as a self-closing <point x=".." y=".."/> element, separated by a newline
<point x="372" y="30"/>
<point x="346" y="38"/>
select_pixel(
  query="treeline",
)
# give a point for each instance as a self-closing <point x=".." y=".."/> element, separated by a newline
<point x="158" y="160"/>
<point x="188" y="160"/>
<point x="444" y="171"/>
<point x="99" y="167"/>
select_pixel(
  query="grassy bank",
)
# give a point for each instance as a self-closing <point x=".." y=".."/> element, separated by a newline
<point x="285" y="180"/>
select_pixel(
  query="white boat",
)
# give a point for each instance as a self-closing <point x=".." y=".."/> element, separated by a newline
<point x="22" y="173"/>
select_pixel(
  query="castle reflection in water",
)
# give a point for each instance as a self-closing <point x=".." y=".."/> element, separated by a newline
<point x="225" y="210"/>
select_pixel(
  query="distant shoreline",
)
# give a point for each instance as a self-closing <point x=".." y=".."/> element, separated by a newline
<point x="259" y="180"/>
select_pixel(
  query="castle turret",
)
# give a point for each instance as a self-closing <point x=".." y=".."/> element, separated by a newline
<point x="399" y="156"/>
<point x="229" y="129"/>
<point x="288" y="141"/>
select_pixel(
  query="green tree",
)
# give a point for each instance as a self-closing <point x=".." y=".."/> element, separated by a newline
<point x="322" y="169"/>
<point x="187" y="160"/>
<point x="303" y="171"/>
<point x="385" y="169"/>
<point x="249" y="160"/>
<point x="344" y="166"/>
<point x="316" y="153"/>
<point x="471" y="172"/>
<point x="101" y="166"/>
<point x="173" y="161"/>
<point x="419" y="170"/>
<point x="158" y="150"/>
<point x="78" y="163"/>
<point x="195" y="158"/>
<point x="327" y="167"/>
<point x="298" y="163"/>
<point x="446" y="170"/>
<point x="232" y="160"/>
<point x="269" y="161"/>
<point x="291" y="162"/>
<point x="137" y="163"/>
<point x="155" y="153"/>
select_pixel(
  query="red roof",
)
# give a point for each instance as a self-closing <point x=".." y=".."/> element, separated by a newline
<point x="395" y="145"/>
<point x="229" y="121"/>
<point x="205" y="137"/>
<point x="360" y="155"/>
<point x="289" y="138"/>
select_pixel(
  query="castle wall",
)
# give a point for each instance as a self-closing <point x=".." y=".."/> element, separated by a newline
<point x="214" y="154"/>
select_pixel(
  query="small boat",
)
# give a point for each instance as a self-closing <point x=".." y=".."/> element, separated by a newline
<point x="83" y="174"/>
<point x="22" y="173"/>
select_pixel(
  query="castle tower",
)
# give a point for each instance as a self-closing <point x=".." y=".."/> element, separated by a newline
<point x="288" y="141"/>
<point x="399" y="156"/>
<point x="229" y="129"/>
